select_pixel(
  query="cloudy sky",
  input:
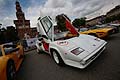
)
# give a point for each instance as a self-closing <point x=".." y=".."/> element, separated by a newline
<point x="72" y="8"/>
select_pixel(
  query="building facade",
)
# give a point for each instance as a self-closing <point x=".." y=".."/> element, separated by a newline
<point x="22" y="25"/>
<point x="114" y="12"/>
<point x="96" y="20"/>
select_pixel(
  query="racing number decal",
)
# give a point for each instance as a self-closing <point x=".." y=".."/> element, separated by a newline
<point x="62" y="43"/>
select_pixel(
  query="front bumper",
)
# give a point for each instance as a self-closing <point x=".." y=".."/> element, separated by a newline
<point x="87" y="60"/>
<point x="93" y="56"/>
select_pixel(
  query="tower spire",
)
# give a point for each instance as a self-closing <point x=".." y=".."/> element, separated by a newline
<point x="22" y="25"/>
<point x="19" y="12"/>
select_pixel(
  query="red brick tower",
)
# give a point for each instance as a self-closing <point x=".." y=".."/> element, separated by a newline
<point x="22" y="25"/>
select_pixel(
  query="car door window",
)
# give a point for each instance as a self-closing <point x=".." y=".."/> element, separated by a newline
<point x="47" y="25"/>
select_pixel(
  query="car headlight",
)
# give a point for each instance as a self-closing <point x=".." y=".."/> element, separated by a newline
<point x="77" y="51"/>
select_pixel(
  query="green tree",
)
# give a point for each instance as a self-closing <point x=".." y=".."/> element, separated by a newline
<point x="79" y="22"/>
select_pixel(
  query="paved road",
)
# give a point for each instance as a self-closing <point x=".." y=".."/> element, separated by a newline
<point x="42" y="67"/>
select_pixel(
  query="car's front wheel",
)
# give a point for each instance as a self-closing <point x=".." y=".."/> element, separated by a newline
<point x="11" y="71"/>
<point x="57" y="58"/>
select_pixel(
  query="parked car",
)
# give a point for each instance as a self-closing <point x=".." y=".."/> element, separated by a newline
<point x="113" y="26"/>
<point x="11" y="56"/>
<point x="95" y="31"/>
<point x="99" y="32"/>
<point x="116" y="27"/>
<point x="78" y="51"/>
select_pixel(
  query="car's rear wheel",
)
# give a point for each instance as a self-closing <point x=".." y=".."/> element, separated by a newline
<point x="11" y="71"/>
<point x="57" y="58"/>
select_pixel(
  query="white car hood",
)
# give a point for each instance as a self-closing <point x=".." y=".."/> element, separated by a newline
<point x="86" y="42"/>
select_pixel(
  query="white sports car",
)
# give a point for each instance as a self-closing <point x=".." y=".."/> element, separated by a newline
<point x="77" y="51"/>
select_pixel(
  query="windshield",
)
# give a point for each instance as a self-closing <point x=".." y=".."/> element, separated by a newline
<point x="93" y="27"/>
<point x="47" y="25"/>
<point x="102" y="26"/>
<point x="61" y="35"/>
<point x="83" y="29"/>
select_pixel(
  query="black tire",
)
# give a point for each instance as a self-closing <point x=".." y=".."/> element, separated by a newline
<point x="60" y="61"/>
<point x="11" y="71"/>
